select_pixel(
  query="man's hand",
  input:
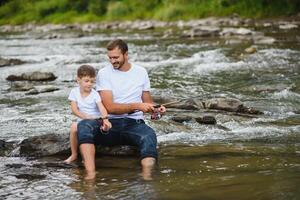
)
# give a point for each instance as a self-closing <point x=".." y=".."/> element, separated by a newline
<point x="162" y="109"/>
<point x="146" y="107"/>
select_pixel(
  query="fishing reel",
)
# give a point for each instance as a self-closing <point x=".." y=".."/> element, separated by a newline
<point x="155" y="115"/>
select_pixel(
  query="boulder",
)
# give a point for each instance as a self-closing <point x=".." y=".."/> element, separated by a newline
<point x="227" y="104"/>
<point x="44" y="145"/>
<point x="58" y="144"/>
<point x="33" y="76"/>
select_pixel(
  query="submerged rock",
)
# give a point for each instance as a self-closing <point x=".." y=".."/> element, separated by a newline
<point x="33" y="76"/>
<point x="21" y="86"/>
<point x="8" y="62"/>
<point x="2" y="144"/>
<point x="206" y="119"/>
<point x="181" y="118"/>
<point x="42" y="89"/>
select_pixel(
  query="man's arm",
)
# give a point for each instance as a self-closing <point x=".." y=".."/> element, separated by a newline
<point x="146" y="97"/>
<point x="119" y="108"/>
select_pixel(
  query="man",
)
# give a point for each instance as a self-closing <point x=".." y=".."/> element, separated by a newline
<point x="124" y="90"/>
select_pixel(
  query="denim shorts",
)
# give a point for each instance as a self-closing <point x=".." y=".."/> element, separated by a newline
<point x="124" y="131"/>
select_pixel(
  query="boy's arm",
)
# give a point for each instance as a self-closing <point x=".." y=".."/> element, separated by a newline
<point x="102" y="110"/>
<point x="120" y="108"/>
<point x="77" y="113"/>
<point x="106" y="124"/>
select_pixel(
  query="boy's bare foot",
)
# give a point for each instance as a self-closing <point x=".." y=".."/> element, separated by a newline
<point x="70" y="159"/>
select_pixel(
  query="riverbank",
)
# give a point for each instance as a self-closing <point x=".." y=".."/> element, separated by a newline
<point x="86" y="11"/>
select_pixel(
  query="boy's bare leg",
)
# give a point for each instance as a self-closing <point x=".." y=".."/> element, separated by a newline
<point x="73" y="143"/>
<point x="147" y="167"/>
<point x="88" y="155"/>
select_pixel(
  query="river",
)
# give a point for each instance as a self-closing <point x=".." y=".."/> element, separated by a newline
<point x="253" y="158"/>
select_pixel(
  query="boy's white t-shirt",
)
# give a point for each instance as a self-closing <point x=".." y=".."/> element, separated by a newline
<point x="126" y="87"/>
<point x="88" y="104"/>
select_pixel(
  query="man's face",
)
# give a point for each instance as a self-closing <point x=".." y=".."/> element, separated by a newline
<point x="117" y="58"/>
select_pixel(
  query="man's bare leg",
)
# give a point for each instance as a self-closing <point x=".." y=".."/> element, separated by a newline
<point x="147" y="167"/>
<point x="88" y="155"/>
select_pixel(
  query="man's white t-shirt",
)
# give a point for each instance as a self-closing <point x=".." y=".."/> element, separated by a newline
<point x="126" y="87"/>
<point x="88" y="104"/>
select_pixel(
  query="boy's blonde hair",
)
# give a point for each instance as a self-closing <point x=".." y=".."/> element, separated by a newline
<point x="86" y="70"/>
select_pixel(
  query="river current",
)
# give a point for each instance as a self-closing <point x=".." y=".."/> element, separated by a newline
<point x="253" y="158"/>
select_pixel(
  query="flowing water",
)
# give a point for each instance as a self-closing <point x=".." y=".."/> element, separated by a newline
<point x="252" y="158"/>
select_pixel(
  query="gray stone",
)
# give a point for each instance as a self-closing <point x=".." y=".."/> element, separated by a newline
<point x="44" y="145"/>
<point x="206" y="119"/>
<point x="33" y="76"/>
<point x="8" y="62"/>
<point x="227" y="104"/>
<point x="181" y="118"/>
<point x="21" y="86"/>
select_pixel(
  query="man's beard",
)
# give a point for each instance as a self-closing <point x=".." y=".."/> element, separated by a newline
<point x="118" y="65"/>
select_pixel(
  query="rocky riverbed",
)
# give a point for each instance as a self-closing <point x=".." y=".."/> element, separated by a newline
<point x="235" y="125"/>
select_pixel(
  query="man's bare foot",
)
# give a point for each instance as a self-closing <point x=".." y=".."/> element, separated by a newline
<point x="147" y="167"/>
<point x="70" y="159"/>
<point x="90" y="175"/>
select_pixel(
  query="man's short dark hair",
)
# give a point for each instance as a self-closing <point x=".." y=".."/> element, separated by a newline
<point x="118" y="43"/>
<point x="86" y="70"/>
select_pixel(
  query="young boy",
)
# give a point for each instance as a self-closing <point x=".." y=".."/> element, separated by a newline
<point x="85" y="104"/>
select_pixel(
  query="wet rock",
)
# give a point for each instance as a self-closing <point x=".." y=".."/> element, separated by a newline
<point x="250" y="50"/>
<point x="236" y="31"/>
<point x="288" y="26"/>
<point x="33" y="76"/>
<point x="206" y="119"/>
<point x="189" y="104"/>
<point x="54" y="165"/>
<point x="181" y="118"/>
<point x="54" y="144"/>
<point x="227" y="104"/>
<point x="263" y="40"/>
<point x="15" y="165"/>
<point x="44" y="145"/>
<point x="202" y="31"/>
<point x="21" y="86"/>
<point x="42" y="89"/>
<point x="8" y="62"/>
<point x="252" y="111"/>
<point x="2" y="144"/>
<point x="166" y="127"/>
<point x="118" y="150"/>
<point x="30" y="176"/>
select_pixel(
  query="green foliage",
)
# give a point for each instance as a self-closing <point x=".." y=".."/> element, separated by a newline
<point x="63" y="11"/>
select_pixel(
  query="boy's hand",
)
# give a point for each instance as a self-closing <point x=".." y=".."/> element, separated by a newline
<point x="106" y="125"/>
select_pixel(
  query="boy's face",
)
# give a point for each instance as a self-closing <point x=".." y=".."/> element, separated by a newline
<point x="86" y="83"/>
